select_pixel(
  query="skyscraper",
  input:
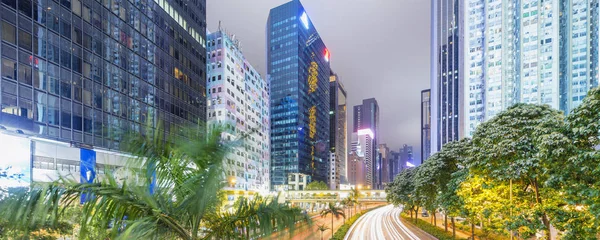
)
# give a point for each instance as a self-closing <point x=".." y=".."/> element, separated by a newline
<point x="394" y="164"/>
<point x="238" y="99"/>
<point x="528" y="52"/>
<point x="337" y="132"/>
<point x="384" y="165"/>
<point x="298" y="72"/>
<point x="425" y="124"/>
<point x="446" y="81"/>
<point x="406" y="156"/>
<point x="366" y="123"/>
<point x="77" y="75"/>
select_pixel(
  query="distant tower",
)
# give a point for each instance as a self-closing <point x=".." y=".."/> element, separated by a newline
<point x="366" y="122"/>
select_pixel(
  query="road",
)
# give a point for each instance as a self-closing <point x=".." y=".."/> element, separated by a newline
<point x="384" y="223"/>
<point x="310" y="232"/>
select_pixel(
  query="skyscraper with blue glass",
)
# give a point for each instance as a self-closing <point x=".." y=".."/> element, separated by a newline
<point x="298" y="72"/>
<point x="76" y="76"/>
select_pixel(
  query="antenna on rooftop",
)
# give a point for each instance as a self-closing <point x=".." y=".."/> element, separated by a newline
<point x="219" y="29"/>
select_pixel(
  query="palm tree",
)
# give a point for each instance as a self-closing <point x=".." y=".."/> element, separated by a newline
<point x="171" y="192"/>
<point x="350" y="204"/>
<point x="354" y="195"/>
<point x="322" y="228"/>
<point x="334" y="211"/>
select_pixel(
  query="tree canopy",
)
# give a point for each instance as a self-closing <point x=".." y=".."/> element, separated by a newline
<point x="527" y="169"/>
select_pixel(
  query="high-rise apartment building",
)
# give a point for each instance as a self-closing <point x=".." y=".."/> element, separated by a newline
<point x="528" y="52"/>
<point x="338" y="138"/>
<point x="77" y="75"/>
<point x="446" y="76"/>
<point x="425" y="124"/>
<point x="366" y="124"/>
<point x="238" y="100"/>
<point x="298" y="72"/>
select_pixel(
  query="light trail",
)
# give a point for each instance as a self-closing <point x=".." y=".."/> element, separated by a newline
<point x="381" y="224"/>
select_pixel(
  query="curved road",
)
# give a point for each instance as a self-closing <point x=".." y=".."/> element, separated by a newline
<point x="384" y="223"/>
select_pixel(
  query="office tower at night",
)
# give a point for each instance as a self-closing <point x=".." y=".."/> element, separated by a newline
<point x="366" y="123"/>
<point x="356" y="170"/>
<point x="384" y="165"/>
<point x="361" y="159"/>
<point x="528" y="52"/>
<point x="338" y="134"/>
<point x="406" y="156"/>
<point x="238" y="100"/>
<point x="394" y="164"/>
<point x="446" y="81"/>
<point x="298" y="72"/>
<point x="425" y="124"/>
<point x="78" y="75"/>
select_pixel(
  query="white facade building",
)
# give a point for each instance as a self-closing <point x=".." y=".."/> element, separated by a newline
<point x="238" y="100"/>
<point x="540" y="52"/>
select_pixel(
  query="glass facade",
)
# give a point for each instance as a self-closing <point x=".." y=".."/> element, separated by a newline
<point x="298" y="73"/>
<point x="445" y="77"/>
<point x="338" y="130"/>
<point x="528" y="52"/>
<point x="425" y="124"/>
<point x="238" y="99"/>
<point x="366" y="120"/>
<point x="87" y="71"/>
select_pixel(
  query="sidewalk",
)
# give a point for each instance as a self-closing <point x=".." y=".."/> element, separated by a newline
<point x="460" y="234"/>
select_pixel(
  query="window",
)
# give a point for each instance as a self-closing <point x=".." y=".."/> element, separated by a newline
<point x="24" y="74"/>
<point x="9" y="104"/>
<point x="9" y="32"/>
<point x="24" y="40"/>
<point x="10" y="3"/>
<point x="25" y="7"/>
<point x="76" y="8"/>
<point x="8" y="69"/>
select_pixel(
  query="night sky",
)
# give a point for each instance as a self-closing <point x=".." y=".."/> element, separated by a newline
<point x="379" y="48"/>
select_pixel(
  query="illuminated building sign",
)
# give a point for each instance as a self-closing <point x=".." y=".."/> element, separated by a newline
<point x="313" y="73"/>
<point x="366" y="131"/>
<point x="312" y="124"/>
<point x="327" y="54"/>
<point x="304" y="19"/>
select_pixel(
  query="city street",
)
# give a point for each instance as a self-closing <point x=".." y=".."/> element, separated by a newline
<point x="384" y="223"/>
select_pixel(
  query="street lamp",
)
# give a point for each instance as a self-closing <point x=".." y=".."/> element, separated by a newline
<point x="232" y="182"/>
<point x="359" y="186"/>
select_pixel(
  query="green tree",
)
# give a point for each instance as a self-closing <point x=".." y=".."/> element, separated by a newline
<point x="402" y="191"/>
<point x="576" y="169"/>
<point x="506" y="149"/>
<point x="171" y="194"/>
<point x="334" y="211"/>
<point x="425" y="185"/>
<point x="316" y="185"/>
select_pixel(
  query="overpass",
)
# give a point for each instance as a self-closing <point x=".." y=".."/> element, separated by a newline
<point x="318" y="199"/>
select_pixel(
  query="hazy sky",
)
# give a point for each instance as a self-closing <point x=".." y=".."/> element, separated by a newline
<point x="379" y="48"/>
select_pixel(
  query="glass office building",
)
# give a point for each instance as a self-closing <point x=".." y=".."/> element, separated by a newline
<point x="425" y="124"/>
<point x="338" y="132"/>
<point x="446" y="81"/>
<point x="298" y="72"/>
<point x="366" y="122"/>
<point x="84" y="72"/>
<point x="528" y="52"/>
